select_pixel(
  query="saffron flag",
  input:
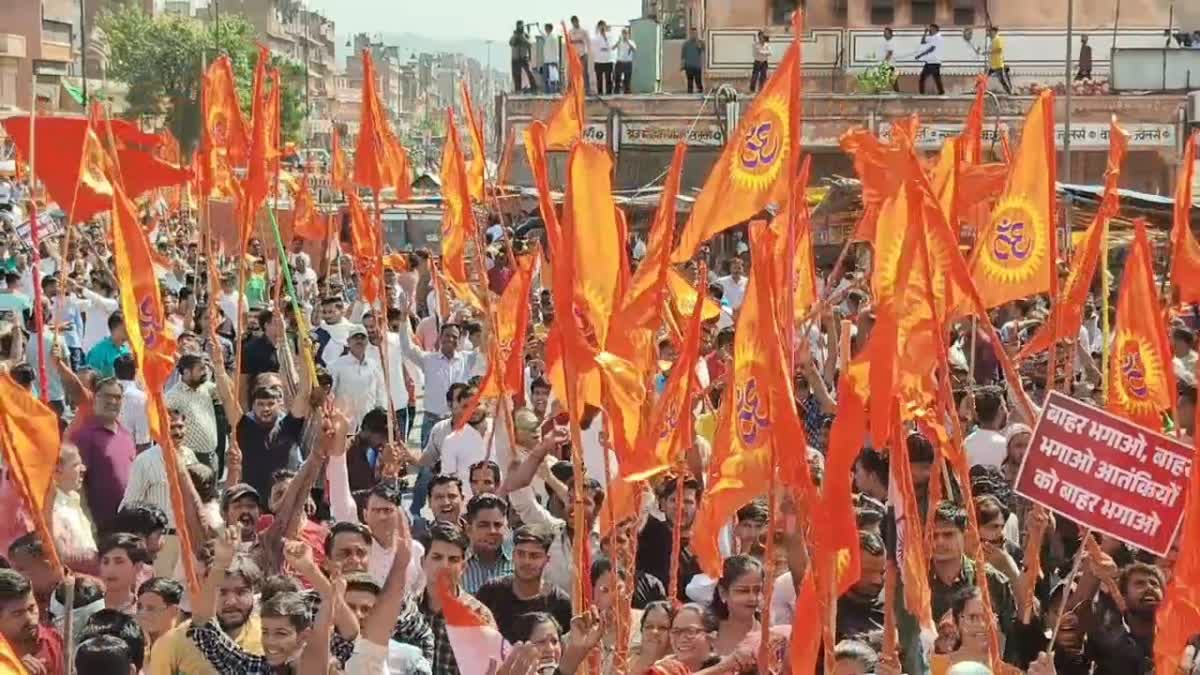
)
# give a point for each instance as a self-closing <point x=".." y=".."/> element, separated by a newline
<point x="565" y="123"/>
<point x="757" y="410"/>
<point x="10" y="663"/>
<point x="30" y="439"/>
<point x="1141" y="382"/>
<point x="458" y="220"/>
<point x="142" y="172"/>
<point x="69" y="161"/>
<point x="477" y="169"/>
<point x="799" y="250"/>
<point x="224" y="141"/>
<point x="307" y="223"/>
<point x="379" y="161"/>
<point x="1067" y="311"/>
<point x="1179" y="614"/>
<point x="337" y="162"/>
<point x="366" y="249"/>
<point x="911" y="557"/>
<point x="753" y="169"/>
<point x="1185" y="251"/>
<point x="1015" y="254"/>
<point x="671" y="428"/>
<point x="473" y="635"/>
<point x="256" y="186"/>
<point x="636" y="321"/>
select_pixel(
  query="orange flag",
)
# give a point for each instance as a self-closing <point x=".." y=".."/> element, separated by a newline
<point x="458" y="222"/>
<point x="1015" y="254"/>
<point x="802" y="268"/>
<point x="1179" y="614"/>
<point x="506" y="346"/>
<point x="565" y="123"/>
<point x="671" y="428"/>
<point x="306" y="222"/>
<point x="474" y="639"/>
<point x="752" y="171"/>
<point x="1141" y="382"/>
<point x="365" y="248"/>
<point x="30" y="440"/>
<point x="256" y="186"/>
<point x="69" y="161"/>
<point x="636" y="321"/>
<point x="141" y="172"/>
<point x="224" y="141"/>
<point x="337" y="162"/>
<point x="756" y="410"/>
<point x="477" y="169"/>
<point x="1067" y="311"/>
<point x="591" y="233"/>
<point x="379" y="161"/>
<point x="911" y="556"/>
<point x="1185" y="252"/>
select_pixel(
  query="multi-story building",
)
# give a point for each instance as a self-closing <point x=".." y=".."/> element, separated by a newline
<point x="38" y="40"/>
<point x="387" y="70"/>
<point x="843" y="38"/>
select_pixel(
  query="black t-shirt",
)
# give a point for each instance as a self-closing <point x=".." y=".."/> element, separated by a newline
<point x="259" y="356"/>
<point x="498" y="595"/>
<point x="266" y="449"/>
<point x="654" y="556"/>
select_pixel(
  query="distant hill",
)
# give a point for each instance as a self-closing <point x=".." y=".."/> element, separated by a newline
<point x="410" y="43"/>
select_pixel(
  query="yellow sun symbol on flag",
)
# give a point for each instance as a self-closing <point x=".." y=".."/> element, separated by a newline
<point x="1015" y="249"/>
<point x="760" y="155"/>
<point x="1137" y="374"/>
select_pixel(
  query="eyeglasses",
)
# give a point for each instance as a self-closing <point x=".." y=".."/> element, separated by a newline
<point x="689" y="632"/>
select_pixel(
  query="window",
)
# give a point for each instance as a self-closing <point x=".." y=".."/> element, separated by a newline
<point x="924" y="12"/>
<point x="56" y="31"/>
<point x="883" y="12"/>
<point x="964" y="12"/>
<point x="781" y="10"/>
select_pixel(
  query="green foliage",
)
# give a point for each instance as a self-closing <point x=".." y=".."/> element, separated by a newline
<point x="162" y="59"/>
<point x="877" y="79"/>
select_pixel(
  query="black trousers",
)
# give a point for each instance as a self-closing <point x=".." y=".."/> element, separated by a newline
<point x="1002" y="75"/>
<point x="624" y="74"/>
<point x="933" y="70"/>
<point x="604" y="78"/>
<point x="758" y="76"/>
<point x="694" y="78"/>
<point x="520" y="66"/>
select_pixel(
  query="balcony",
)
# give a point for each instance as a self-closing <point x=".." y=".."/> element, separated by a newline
<point x="12" y="45"/>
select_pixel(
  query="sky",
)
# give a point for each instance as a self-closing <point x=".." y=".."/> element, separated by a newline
<point x="469" y="19"/>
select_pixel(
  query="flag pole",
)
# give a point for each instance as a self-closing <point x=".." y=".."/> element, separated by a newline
<point x="383" y="351"/>
<point x="35" y="240"/>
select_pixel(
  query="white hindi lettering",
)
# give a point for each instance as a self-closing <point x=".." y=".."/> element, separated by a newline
<point x="1069" y="421"/>
<point x="1177" y="464"/>
<point x="1080" y="498"/>
<point x="1119" y="440"/>
<point x="1046" y="480"/>
<point x="1127" y="517"/>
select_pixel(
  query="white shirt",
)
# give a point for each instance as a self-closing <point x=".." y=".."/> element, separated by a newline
<point x="148" y="480"/>
<point x="232" y="303"/>
<point x="579" y="39"/>
<point x="439" y="370"/>
<point x="98" y="309"/>
<point x="379" y="561"/>
<point x="601" y="50"/>
<point x="357" y="386"/>
<point x="395" y="372"/>
<point x="626" y="49"/>
<point x="200" y="427"/>
<point x="889" y="50"/>
<point x="935" y="56"/>
<point x="72" y="528"/>
<point x="339" y="334"/>
<point x="463" y="448"/>
<point x="735" y="290"/>
<point x="559" y="571"/>
<point x="762" y="51"/>
<point x="986" y="447"/>
<point x="133" y="413"/>
<point x="549" y="48"/>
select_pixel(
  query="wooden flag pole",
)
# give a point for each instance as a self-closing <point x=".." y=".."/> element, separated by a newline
<point x="35" y="240"/>
<point x="383" y="351"/>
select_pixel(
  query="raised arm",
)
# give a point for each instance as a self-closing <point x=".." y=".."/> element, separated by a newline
<point x="205" y="604"/>
<point x="291" y="505"/>
<point x="341" y="501"/>
<point x="378" y="626"/>
<point x="302" y="401"/>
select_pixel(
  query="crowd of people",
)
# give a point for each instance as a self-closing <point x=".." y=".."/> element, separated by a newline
<point x="611" y="58"/>
<point x="321" y="533"/>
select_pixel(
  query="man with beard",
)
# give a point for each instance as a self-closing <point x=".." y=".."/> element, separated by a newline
<point x="654" y="542"/>
<point x="525" y="590"/>
<point x="242" y="506"/>
<point x="1121" y="643"/>
<point x="286" y="624"/>
<point x="860" y="609"/>
<point x="40" y="648"/>
<point x="260" y="353"/>
<point x="487" y="527"/>
<point x="446" y="501"/>
<point x="266" y="435"/>
<point x="194" y="396"/>
<point x="174" y="653"/>
<point x="107" y="450"/>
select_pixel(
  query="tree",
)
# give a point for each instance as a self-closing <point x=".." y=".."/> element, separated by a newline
<point x="162" y="60"/>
